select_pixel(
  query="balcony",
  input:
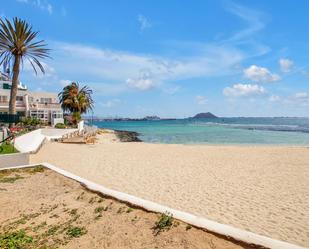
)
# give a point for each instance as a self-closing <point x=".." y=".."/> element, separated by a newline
<point x="18" y="104"/>
<point x="45" y="106"/>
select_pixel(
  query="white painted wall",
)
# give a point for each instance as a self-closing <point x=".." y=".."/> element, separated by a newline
<point x="29" y="142"/>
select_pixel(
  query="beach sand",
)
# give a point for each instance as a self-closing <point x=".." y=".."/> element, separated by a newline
<point x="262" y="189"/>
<point x="58" y="212"/>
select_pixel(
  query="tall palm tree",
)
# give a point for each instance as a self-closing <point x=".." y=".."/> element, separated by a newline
<point x="18" y="43"/>
<point x="76" y="100"/>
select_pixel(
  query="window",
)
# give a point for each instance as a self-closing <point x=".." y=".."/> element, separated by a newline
<point x="46" y="100"/>
<point x="3" y="98"/>
<point x="19" y="98"/>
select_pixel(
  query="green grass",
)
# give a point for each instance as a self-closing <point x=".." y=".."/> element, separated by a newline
<point x="76" y="231"/>
<point x="7" y="149"/>
<point x="13" y="240"/>
<point x="10" y="179"/>
<point x="165" y="222"/>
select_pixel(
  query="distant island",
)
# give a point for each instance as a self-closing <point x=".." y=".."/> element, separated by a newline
<point x="205" y="115"/>
<point x="148" y="118"/>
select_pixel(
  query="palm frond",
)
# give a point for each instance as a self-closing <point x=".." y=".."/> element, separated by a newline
<point x="18" y="39"/>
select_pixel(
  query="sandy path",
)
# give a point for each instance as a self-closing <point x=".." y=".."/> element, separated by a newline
<point x="260" y="189"/>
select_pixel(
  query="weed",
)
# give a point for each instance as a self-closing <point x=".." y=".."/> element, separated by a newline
<point x="129" y="210"/>
<point x="164" y="223"/>
<point x="76" y="231"/>
<point x="10" y="179"/>
<point x="17" y="239"/>
<point x="188" y="227"/>
<point x="99" y="209"/>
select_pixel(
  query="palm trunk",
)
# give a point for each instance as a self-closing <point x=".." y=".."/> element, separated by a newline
<point x="14" y="88"/>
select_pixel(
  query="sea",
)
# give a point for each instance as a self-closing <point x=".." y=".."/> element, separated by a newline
<point x="269" y="131"/>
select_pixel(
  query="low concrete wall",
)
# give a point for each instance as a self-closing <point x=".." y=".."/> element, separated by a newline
<point x="15" y="159"/>
<point x="29" y="142"/>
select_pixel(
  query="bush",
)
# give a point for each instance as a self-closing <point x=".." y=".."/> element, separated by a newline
<point x="60" y="126"/>
<point x="31" y="121"/>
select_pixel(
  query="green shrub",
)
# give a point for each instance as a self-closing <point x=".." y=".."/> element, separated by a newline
<point x="60" y="126"/>
<point x="18" y="239"/>
<point x="164" y="223"/>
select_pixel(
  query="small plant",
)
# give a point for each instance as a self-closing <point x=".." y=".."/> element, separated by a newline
<point x="17" y="239"/>
<point x="10" y="179"/>
<point x="60" y="126"/>
<point x="76" y="231"/>
<point x="99" y="209"/>
<point x="129" y="210"/>
<point x="164" y="223"/>
<point x="188" y="227"/>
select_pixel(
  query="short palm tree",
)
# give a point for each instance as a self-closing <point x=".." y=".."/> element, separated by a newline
<point x="17" y="43"/>
<point x="76" y="100"/>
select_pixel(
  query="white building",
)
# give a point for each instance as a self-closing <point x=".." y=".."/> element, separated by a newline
<point x="42" y="105"/>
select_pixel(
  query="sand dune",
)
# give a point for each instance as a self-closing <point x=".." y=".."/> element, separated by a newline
<point x="262" y="189"/>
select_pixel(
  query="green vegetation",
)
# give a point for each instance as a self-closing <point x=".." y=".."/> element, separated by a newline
<point x="6" y="176"/>
<point x="129" y="210"/>
<point x="164" y="223"/>
<point x="76" y="100"/>
<point x="11" y="179"/>
<point x="7" y="148"/>
<point x="60" y="126"/>
<point x="188" y="227"/>
<point x="15" y="240"/>
<point x="30" y="121"/>
<point x="17" y="44"/>
<point x="76" y="231"/>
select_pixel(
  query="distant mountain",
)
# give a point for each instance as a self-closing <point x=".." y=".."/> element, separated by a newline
<point x="205" y="115"/>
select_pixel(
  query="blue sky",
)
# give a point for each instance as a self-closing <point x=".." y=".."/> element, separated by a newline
<point x="175" y="58"/>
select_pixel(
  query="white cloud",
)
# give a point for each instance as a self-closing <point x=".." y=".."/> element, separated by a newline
<point x="301" y="95"/>
<point x="64" y="83"/>
<point x="252" y="17"/>
<point x="201" y="100"/>
<point x="274" y="98"/>
<point x="41" y="4"/>
<point x="111" y="103"/>
<point x="286" y="65"/>
<point x="260" y="74"/>
<point x="140" y="71"/>
<point x="243" y="90"/>
<point x="144" y="23"/>
<point x="49" y="70"/>
<point x="143" y="82"/>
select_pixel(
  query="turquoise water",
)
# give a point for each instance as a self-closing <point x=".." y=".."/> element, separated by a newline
<point x="289" y="131"/>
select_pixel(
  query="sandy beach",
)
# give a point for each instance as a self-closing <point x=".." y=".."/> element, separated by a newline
<point x="53" y="211"/>
<point x="262" y="189"/>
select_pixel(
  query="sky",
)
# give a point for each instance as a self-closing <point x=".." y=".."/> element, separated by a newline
<point x="174" y="58"/>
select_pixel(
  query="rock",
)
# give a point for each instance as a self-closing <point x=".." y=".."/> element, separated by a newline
<point x="127" y="136"/>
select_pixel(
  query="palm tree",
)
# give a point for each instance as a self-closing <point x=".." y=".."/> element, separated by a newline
<point x="17" y="43"/>
<point x="76" y="100"/>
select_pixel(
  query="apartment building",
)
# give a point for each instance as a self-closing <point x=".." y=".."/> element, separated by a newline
<point x="42" y="105"/>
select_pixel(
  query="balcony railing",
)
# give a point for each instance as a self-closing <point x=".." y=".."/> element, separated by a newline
<point x="45" y="105"/>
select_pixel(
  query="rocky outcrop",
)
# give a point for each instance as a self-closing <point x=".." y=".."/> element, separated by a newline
<point x="127" y="136"/>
